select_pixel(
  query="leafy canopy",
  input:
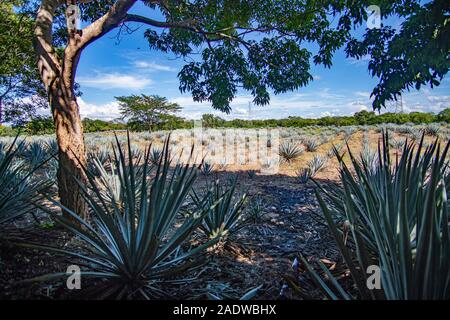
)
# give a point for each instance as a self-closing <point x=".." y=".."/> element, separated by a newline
<point x="18" y="73"/>
<point x="149" y="110"/>
<point x="268" y="46"/>
<point x="414" y="56"/>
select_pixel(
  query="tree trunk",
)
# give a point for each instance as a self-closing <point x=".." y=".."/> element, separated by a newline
<point x="1" y="111"/>
<point x="72" y="156"/>
<point x="58" y="76"/>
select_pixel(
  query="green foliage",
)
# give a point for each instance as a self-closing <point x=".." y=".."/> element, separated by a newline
<point x="416" y="55"/>
<point x="169" y="122"/>
<point x="8" y="131"/>
<point x="19" y="77"/>
<point x="225" y="213"/>
<point x="289" y="151"/>
<point x="212" y="121"/>
<point x="259" y="45"/>
<point x="40" y="125"/>
<point x="146" y="111"/>
<point x="311" y="144"/>
<point x="364" y="117"/>
<point x="18" y="189"/>
<point x="444" y="116"/>
<point x="95" y="125"/>
<point x="47" y="225"/>
<point x="131" y="242"/>
<point x="396" y="217"/>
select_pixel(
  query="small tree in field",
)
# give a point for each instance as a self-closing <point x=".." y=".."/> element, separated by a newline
<point x="147" y="111"/>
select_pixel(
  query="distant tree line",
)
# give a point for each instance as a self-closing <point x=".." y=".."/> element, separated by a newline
<point x="44" y="125"/>
<point x="359" y="118"/>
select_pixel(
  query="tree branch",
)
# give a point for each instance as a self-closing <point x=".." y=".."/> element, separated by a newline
<point x="186" y="24"/>
<point x="113" y="18"/>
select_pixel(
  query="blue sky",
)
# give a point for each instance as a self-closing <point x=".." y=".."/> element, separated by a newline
<point x="110" y="68"/>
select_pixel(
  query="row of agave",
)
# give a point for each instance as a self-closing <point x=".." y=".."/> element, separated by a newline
<point x="391" y="215"/>
<point x="140" y="232"/>
<point x="289" y="151"/>
<point x="19" y="187"/>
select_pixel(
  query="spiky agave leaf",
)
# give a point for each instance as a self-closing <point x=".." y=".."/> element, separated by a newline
<point x="155" y="155"/>
<point x="206" y="168"/>
<point x="311" y="144"/>
<point x="133" y="242"/>
<point x="18" y="190"/>
<point x="34" y="153"/>
<point x="316" y="164"/>
<point x="290" y="151"/>
<point x="398" y="218"/>
<point x="226" y="217"/>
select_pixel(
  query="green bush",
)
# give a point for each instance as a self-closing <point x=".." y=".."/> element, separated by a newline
<point x="39" y="126"/>
<point x="96" y="125"/>
<point x="7" y="131"/>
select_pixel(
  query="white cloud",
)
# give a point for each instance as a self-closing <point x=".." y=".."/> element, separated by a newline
<point x="361" y="61"/>
<point x="107" y="111"/>
<point x="363" y="107"/>
<point x="307" y="105"/>
<point x="241" y="111"/>
<point x="362" y="94"/>
<point x="107" y="81"/>
<point x="312" y="105"/>
<point x="152" y="66"/>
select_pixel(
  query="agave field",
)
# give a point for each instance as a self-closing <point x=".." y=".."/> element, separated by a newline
<point x="170" y="217"/>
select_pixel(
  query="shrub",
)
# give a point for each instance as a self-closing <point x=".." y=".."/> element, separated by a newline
<point x="311" y="144"/>
<point x="314" y="166"/>
<point x="34" y="153"/>
<point x="224" y="213"/>
<point x="256" y="209"/>
<point x="289" y="151"/>
<point x="18" y="190"/>
<point x="396" y="217"/>
<point x="206" y="168"/>
<point x="40" y="125"/>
